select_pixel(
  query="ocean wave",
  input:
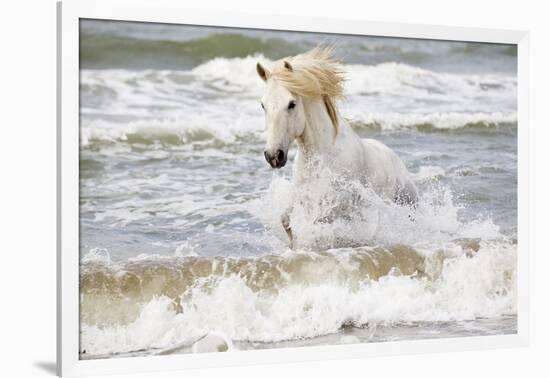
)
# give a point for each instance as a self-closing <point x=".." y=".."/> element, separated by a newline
<point x="181" y="217"/>
<point x="406" y="80"/>
<point x="109" y="43"/>
<point x="246" y="129"/>
<point x="141" y="278"/>
<point x="156" y="302"/>
<point x="169" y="132"/>
<point x="437" y="122"/>
<point x="219" y="100"/>
<point x="437" y="267"/>
<point x="110" y="51"/>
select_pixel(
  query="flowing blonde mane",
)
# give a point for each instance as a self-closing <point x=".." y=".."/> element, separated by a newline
<point x="313" y="74"/>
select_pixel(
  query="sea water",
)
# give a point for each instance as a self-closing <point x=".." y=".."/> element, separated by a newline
<point x="180" y="234"/>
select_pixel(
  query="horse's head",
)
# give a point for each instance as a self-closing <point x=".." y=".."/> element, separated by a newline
<point x="284" y="116"/>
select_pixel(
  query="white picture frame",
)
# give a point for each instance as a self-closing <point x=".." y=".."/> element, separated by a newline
<point x="172" y="11"/>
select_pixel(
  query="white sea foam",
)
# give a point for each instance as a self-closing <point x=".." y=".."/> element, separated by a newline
<point x="97" y="255"/>
<point x="233" y="75"/>
<point x="221" y="98"/>
<point x="321" y="296"/>
<point x="468" y="287"/>
<point x="428" y="172"/>
<point x="218" y="103"/>
<point x="438" y="120"/>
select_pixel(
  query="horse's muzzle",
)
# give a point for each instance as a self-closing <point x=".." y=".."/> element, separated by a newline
<point x="277" y="159"/>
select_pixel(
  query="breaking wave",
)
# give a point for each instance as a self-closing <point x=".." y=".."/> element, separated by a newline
<point x="158" y="302"/>
<point x="435" y="267"/>
<point x="172" y="172"/>
<point x="198" y="105"/>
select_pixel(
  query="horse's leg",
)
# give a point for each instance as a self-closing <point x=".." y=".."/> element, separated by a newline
<point x="285" y="221"/>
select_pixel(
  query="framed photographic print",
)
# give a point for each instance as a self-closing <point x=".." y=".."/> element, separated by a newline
<point x="242" y="189"/>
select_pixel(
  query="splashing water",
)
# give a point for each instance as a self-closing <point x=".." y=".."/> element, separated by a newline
<point x="182" y="247"/>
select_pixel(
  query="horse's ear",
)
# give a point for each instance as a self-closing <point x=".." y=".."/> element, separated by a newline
<point x="287" y="65"/>
<point x="262" y="72"/>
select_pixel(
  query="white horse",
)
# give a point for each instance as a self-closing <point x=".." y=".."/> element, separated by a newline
<point x="299" y="105"/>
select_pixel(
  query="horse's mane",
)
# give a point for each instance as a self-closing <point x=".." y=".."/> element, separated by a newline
<point x="313" y="74"/>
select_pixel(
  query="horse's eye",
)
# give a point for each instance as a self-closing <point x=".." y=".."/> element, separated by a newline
<point x="291" y="104"/>
<point x="263" y="107"/>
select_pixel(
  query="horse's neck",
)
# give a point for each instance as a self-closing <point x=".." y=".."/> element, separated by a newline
<point x="319" y="132"/>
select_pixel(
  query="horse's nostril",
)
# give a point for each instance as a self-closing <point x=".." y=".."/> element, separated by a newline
<point x="276" y="159"/>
